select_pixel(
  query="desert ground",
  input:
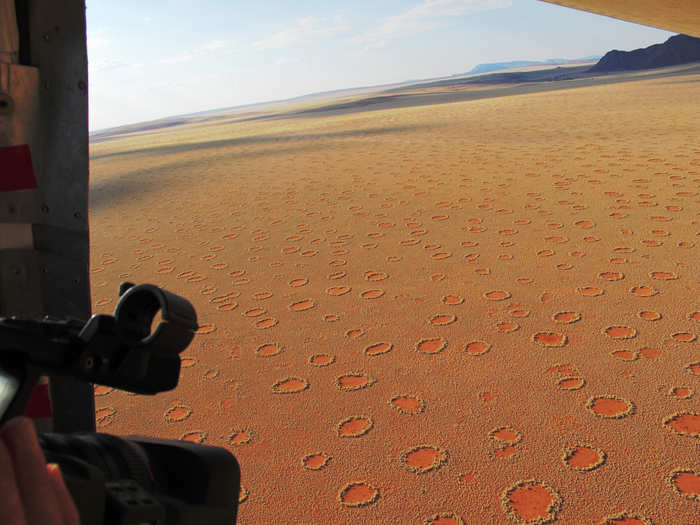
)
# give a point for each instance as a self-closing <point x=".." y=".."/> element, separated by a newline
<point x="481" y="312"/>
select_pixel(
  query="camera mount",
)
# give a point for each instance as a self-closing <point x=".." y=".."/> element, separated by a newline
<point x="121" y="351"/>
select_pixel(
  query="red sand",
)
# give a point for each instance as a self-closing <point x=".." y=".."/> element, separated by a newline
<point x="531" y="502"/>
<point x="408" y="404"/>
<point x="584" y="458"/>
<point x="354" y="427"/>
<point x="315" y="461"/>
<point x="424" y="458"/>
<point x="358" y="494"/>
<point x="552" y="240"/>
<point x="688" y="483"/>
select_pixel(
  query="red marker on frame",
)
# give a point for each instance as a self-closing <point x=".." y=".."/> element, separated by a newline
<point x="16" y="169"/>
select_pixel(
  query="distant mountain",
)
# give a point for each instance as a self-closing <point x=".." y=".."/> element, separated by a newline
<point x="679" y="49"/>
<point x="499" y="66"/>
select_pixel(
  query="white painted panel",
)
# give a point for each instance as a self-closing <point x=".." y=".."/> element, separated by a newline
<point x="16" y="236"/>
<point x="9" y="36"/>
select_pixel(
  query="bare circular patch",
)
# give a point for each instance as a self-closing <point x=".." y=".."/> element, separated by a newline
<point x="176" y="413"/>
<point x="681" y="392"/>
<point x="424" y="458"/>
<point x="550" y="339"/>
<point x="264" y="324"/>
<point x="240" y="437"/>
<point x="571" y="383"/>
<point x="477" y="348"/>
<point x="683" y="337"/>
<point x="590" y="291"/>
<point x="315" y="461"/>
<point x="378" y="349"/>
<point x="685" y="483"/>
<point x="444" y="518"/>
<point x="609" y="406"/>
<point x="195" y="436"/>
<point x="354" y="381"/>
<point x="442" y="319"/>
<point x="338" y="290"/>
<point x="290" y="385"/>
<point x="497" y="295"/>
<point x="407" y="404"/>
<point x="355" y="426"/>
<point x="620" y="332"/>
<point x="684" y="423"/>
<point x="693" y="368"/>
<point x="663" y="276"/>
<point x="303" y="305"/>
<point x="372" y="294"/>
<point x="566" y="317"/>
<point x="321" y="360"/>
<point x="432" y="345"/>
<point x="506" y="435"/>
<point x="358" y="494"/>
<point x="452" y="299"/>
<point x="649" y="315"/>
<point x="643" y="291"/>
<point x="531" y="502"/>
<point x="206" y="328"/>
<point x="611" y="276"/>
<point x="583" y="458"/>
<point x="625" y="355"/>
<point x="268" y="350"/>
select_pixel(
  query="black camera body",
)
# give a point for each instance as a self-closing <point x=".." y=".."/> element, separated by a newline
<point x="113" y="480"/>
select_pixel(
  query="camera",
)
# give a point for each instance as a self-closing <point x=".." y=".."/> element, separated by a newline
<point x="113" y="480"/>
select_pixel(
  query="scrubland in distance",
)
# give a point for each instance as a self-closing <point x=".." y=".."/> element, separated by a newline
<point x="483" y="312"/>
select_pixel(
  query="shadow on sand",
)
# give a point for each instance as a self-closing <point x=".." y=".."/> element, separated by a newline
<point x="260" y="139"/>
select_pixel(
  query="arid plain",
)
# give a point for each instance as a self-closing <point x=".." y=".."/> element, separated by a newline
<point x="481" y="312"/>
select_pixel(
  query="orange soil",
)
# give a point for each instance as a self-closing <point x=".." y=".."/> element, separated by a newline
<point x="688" y="483"/>
<point x="358" y="494"/>
<point x="378" y="349"/>
<point x="408" y="404"/>
<point x="424" y="458"/>
<point x="531" y="502"/>
<point x="315" y="461"/>
<point x="431" y="346"/>
<point x="583" y="458"/>
<point x="354" y="427"/>
<point x="571" y="383"/>
<point x="608" y="407"/>
<point x="290" y="386"/>
<point x="445" y="520"/>
<point x="477" y="348"/>
<point x="686" y="424"/>
<point x="526" y="263"/>
<point x="505" y="452"/>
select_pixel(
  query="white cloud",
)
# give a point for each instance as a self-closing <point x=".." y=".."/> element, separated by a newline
<point x="285" y="61"/>
<point x="213" y="45"/>
<point x="96" y="39"/>
<point x="304" y="30"/>
<point x="178" y="59"/>
<point x="105" y="64"/>
<point x="422" y="17"/>
<point x="206" y="48"/>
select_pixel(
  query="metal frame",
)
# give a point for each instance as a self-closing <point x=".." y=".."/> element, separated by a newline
<point x="50" y="114"/>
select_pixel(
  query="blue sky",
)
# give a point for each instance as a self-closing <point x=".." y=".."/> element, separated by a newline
<point x="149" y="60"/>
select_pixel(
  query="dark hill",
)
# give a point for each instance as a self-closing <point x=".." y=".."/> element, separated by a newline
<point x="679" y="49"/>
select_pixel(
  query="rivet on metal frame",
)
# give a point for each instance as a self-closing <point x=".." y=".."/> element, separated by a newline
<point x="7" y="105"/>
